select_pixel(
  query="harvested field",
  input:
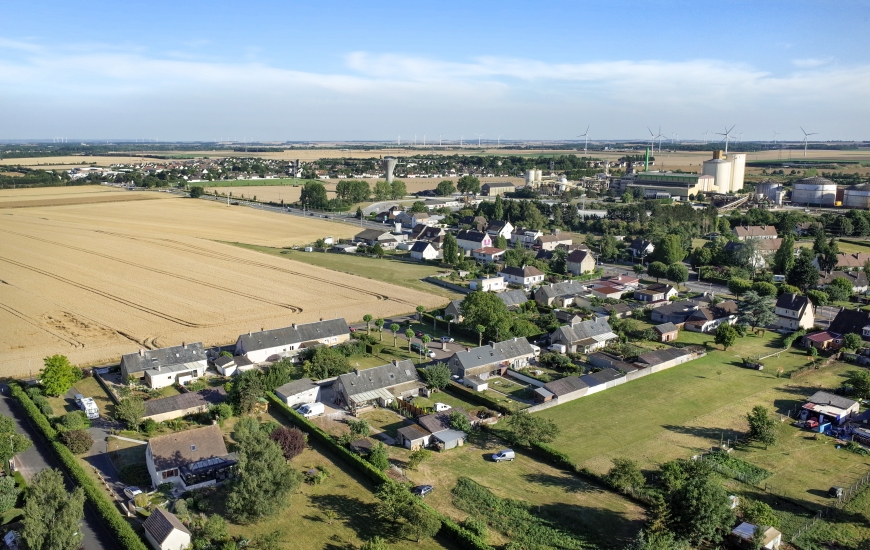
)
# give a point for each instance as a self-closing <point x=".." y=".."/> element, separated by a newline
<point x="95" y="281"/>
<point x="106" y="194"/>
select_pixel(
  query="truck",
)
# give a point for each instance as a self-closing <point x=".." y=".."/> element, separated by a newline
<point x="88" y="405"/>
<point x="558" y="348"/>
<point x="311" y="409"/>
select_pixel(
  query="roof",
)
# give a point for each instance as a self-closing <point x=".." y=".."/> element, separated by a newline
<point x="565" y="385"/>
<point x="543" y="392"/>
<point x="815" y="180"/>
<point x="577" y="256"/>
<point x="495" y="352"/>
<point x="607" y="290"/>
<point x="794" y="302"/>
<point x="660" y="287"/>
<point x="850" y="321"/>
<point x="293" y="334"/>
<point x="804" y="226"/>
<point x="657" y="357"/>
<point x="857" y="278"/>
<point x="611" y="361"/>
<point x="489" y="250"/>
<point x="755" y="231"/>
<point x="421" y="246"/>
<point x="497" y="225"/>
<point x="664" y="328"/>
<point x="640" y="245"/>
<point x="855" y="259"/>
<point x="825" y="398"/>
<point x="295" y="387"/>
<point x="441" y="421"/>
<point x="413" y="432"/>
<point x="601" y="377"/>
<point x="597" y="329"/>
<point x="524" y="272"/>
<point x="185" y="401"/>
<point x="161" y="523"/>
<point x="385" y="376"/>
<point x="370" y="234"/>
<point x="823" y="336"/>
<point x="746" y="531"/>
<point x="513" y="298"/>
<point x="472" y="235"/>
<point x="554" y="238"/>
<point x="446" y="436"/>
<point x="497" y="184"/>
<point x="151" y="358"/>
<point x="684" y="307"/>
<point x="565" y="288"/>
<point x="224" y="361"/>
<point x="182" y="448"/>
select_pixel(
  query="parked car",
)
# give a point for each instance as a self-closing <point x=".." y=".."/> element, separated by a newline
<point x="311" y="409"/>
<point x="131" y="492"/>
<point x="505" y="454"/>
<point x="422" y="490"/>
<point x="352" y="329"/>
<point x="441" y="407"/>
<point x="419" y="334"/>
<point x="446" y="340"/>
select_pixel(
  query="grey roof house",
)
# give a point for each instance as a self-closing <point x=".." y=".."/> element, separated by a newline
<point x="274" y="344"/>
<point x="492" y="359"/>
<point x="183" y="404"/>
<point x="584" y="337"/>
<point x="166" y="366"/>
<point x="299" y="392"/>
<point x="561" y="294"/>
<point x="377" y="386"/>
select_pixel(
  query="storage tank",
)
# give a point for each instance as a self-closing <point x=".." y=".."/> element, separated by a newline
<point x="389" y="166"/>
<point x="857" y="196"/>
<point x="530" y="177"/>
<point x="721" y="171"/>
<point x="814" y="191"/>
<point x="539" y="176"/>
<point x="738" y="169"/>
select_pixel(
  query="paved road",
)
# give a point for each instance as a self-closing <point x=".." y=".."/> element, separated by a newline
<point x="692" y="284"/>
<point x="826" y="314"/>
<point x="40" y="457"/>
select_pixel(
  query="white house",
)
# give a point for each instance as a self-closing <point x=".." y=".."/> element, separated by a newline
<point x="499" y="228"/>
<point x="299" y="392"/>
<point x="165" y="532"/>
<point x="551" y="242"/>
<point x="794" y="312"/>
<point x="580" y="261"/>
<point x="584" y="337"/>
<point x="526" y="276"/>
<point x="190" y="459"/>
<point x="163" y="367"/>
<point x="468" y="239"/>
<point x="423" y="250"/>
<point x="527" y="237"/>
<point x="272" y="345"/>
<point x="490" y="284"/>
<point x="488" y="254"/>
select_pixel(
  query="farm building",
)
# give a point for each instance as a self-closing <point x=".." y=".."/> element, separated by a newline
<point x="602" y="380"/>
<point x="371" y="237"/>
<point x="449" y="439"/>
<point x="496" y="188"/>
<point x="159" y="368"/>
<point x="829" y="408"/>
<point x="413" y="437"/>
<point x="565" y="389"/>
<point x="299" y="392"/>
<point x="165" y="532"/>
<point x="794" y="312"/>
<point x="272" y="345"/>
<point x="492" y="359"/>
<point x="584" y="337"/>
<point x="190" y="459"/>
<point x="667" y="332"/>
<point x="183" y="404"/>
<point x="380" y="386"/>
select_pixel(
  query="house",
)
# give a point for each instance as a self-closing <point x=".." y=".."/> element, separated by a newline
<point x="413" y="437"/>
<point x="708" y="319"/>
<point x="489" y="284"/>
<point x="622" y="280"/>
<point x="488" y="255"/>
<point x="526" y="237"/>
<point x="667" y="332"/>
<point x="640" y="248"/>
<point x="513" y="298"/>
<point x="423" y="250"/>
<point x="165" y="532"/>
<point x="190" y="459"/>
<point x="298" y="392"/>
<point x="158" y="368"/>
<point x="580" y="262"/>
<point x="564" y="389"/>
<point x="274" y="344"/>
<point x="475" y="222"/>
<point x="794" y="312"/>
<point x="527" y="276"/>
<point x="413" y="219"/>
<point x="424" y="232"/>
<point x="225" y="365"/>
<point x="492" y="359"/>
<point x="806" y="228"/>
<point x="825" y="340"/>
<point x="676" y="312"/>
<point x="857" y="278"/>
<point x="617" y="311"/>
<point x="744" y="232"/>
<point x="603" y="290"/>
<point x="771" y="540"/>
<point x="830" y="408"/>
<point x="454" y="308"/>
<point x="371" y="237"/>
<point x="183" y="404"/>
<point x="551" y="242"/>
<point x="500" y="228"/>
<point x="468" y="240"/>
<point x="496" y="188"/>
<point x="655" y="293"/>
<point x="562" y="294"/>
<point x="377" y="386"/>
<point x="848" y="262"/>
<point x="584" y="337"/>
<point x="851" y="321"/>
<point x="602" y="380"/>
<point x="567" y="317"/>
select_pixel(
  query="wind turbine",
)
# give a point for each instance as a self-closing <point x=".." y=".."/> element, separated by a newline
<point x="706" y="132"/>
<point x="775" y="133"/>
<point x="478" y="139"/>
<point x="499" y="142"/>
<point x="806" y="136"/>
<point x="726" y="134"/>
<point x="586" y="135"/>
<point x="652" y="140"/>
<point x="660" y="137"/>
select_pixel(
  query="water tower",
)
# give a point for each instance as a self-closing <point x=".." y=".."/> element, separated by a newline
<point x="389" y="166"/>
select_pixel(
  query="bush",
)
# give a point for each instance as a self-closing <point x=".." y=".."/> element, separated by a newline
<point x="818" y="297"/>
<point x="789" y="339"/>
<point x="764" y="289"/>
<point x="78" y="441"/>
<point x="149" y="426"/>
<point x="739" y="286"/>
<point x="738" y="469"/>
<point x="291" y="440"/>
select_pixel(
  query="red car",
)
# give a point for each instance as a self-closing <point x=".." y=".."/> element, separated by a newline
<point x="352" y="329"/>
<point x="419" y="334"/>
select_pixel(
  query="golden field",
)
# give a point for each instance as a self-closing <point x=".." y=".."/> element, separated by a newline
<point x="67" y="196"/>
<point x="95" y="281"/>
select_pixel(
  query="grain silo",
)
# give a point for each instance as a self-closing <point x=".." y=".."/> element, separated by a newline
<point x="857" y="196"/>
<point x="738" y="169"/>
<point x="530" y="177"/>
<point x="720" y="169"/>
<point x="814" y="191"/>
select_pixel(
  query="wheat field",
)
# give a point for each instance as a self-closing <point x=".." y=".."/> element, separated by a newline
<point x="95" y="281"/>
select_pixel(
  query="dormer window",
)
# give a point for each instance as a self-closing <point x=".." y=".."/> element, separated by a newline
<point x="193" y="447"/>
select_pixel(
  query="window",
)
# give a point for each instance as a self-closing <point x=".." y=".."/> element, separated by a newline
<point x="169" y="473"/>
<point x="193" y="447"/>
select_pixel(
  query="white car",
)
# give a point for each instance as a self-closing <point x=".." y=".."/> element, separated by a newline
<point x="446" y="340"/>
<point x="131" y="492"/>
<point x="441" y="407"/>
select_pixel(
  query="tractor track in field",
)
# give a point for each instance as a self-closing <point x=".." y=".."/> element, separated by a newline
<point x="29" y="320"/>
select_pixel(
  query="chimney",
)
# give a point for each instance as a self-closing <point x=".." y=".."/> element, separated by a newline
<point x="294" y="325"/>
<point x="184" y="345"/>
<point x="491" y="344"/>
<point x="396" y="362"/>
<point x="141" y="352"/>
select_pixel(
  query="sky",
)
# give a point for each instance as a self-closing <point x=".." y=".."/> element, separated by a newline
<point x="300" y="71"/>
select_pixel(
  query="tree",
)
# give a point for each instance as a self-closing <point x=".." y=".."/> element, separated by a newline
<point x="445" y="187"/>
<point x="840" y="289"/>
<point x="460" y="422"/>
<point x="196" y="191"/>
<point x="11" y="442"/>
<point x="480" y="330"/>
<point x="700" y="256"/>
<point x="359" y="213"/>
<point x="859" y="381"/>
<point x="379" y="458"/>
<point x="291" y="440"/>
<point x="420" y="310"/>
<point x="678" y="274"/>
<point x="762" y="426"/>
<point x="670" y="250"/>
<point x="324" y="362"/>
<point x="263" y="481"/>
<point x="486" y="309"/>
<point x="657" y="270"/>
<point x="468" y="185"/>
<point x="380" y="324"/>
<point x="9" y="492"/>
<point x="393" y="499"/>
<point x="398" y="189"/>
<point x="625" y="475"/>
<point x="246" y="392"/>
<point x="726" y="336"/>
<point x="559" y="261"/>
<point x="52" y="513"/>
<point x="417" y="457"/>
<point x="394" y="327"/>
<point x="607" y="248"/>
<point x="58" y="376"/>
<point x="852" y="341"/>
<point x="450" y="249"/>
<point x="501" y="242"/>
<point x="658" y="540"/>
<point x="739" y="286"/>
<point x="638" y="269"/>
<point x="409" y="334"/>
<point x="700" y="510"/>
<point x="278" y="374"/>
<point x="132" y="409"/>
<point x="804" y="274"/>
<point x="437" y="376"/>
<point x="313" y="195"/>
<point x="383" y="190"/>
<point x="818" y="297"/>
<point x="419" y="523"/>
<point x="77" y="441"/>
<point x="498" y="208"/>
<point x="525" y="428"/>
<point x="783" y="261"/>
<point x="764" y="289"/>
<point x="758" y="513"/>
<point x="367" y="319"/>
<point x="209" y="532"/>
<point x="756" y="311"/>
<point x="358" y="428"/>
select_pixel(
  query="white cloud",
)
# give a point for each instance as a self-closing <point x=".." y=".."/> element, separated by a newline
<point x="811" y="63"/>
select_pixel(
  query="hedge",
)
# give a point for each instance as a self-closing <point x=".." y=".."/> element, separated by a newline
<point x="465" y="393"/>
<point x="449" y="528"/>
<point x="112" y="518"/>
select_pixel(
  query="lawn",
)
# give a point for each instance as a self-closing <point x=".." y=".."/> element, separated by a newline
<point x="398" y="272"/>
<point x="850" y="527"/>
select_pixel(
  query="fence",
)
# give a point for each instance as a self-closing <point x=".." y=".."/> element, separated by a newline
<point x="848" y="493"/>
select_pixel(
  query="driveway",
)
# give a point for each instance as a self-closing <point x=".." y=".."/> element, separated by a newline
<point x="826" y="314"/>
<point x="39" y="457"/>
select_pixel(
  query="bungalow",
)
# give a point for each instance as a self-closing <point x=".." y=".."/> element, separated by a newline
<point x="580" y="262"/>
<point x="603" y="290"/>
<point x="500" y="228"/>
<point x="381" y="386"/>
<point x="474" y="222"/>
<point x="676" y="312"/>
<point x="423" y="250"/>
<point x="190" y="459"/>
<point x="468" y="240"/>
<point x="825" y="340"/>
<point x="527" y="276"/>
<point x="371" y="237"/>
<point x="563" y="390"/>
<point x="851" y="321"/>
<point x="829" y="408"/>
<point x="425" y="233"/>
<point x="744" y="232"/>
<point x="413" y="437"/>
<point x="183" y="404"/>
<point x="771" y="538"/>
<point x="298" y="392"/>
<point x="858" y="279"/>
<point x="640" y="248"/>
<point x="496" y="188"/>
<point x="158" y="368"/>
<point x="667" y="332"/>
<point x="708" y="319"/>
<point x="165" y="532"/>
<point x="488" y="254"/>
<point x="794" y="312"/>
<point x="551" y="242"/>
<point x="562" y="294"/>
<point x="492" y="359"/>
<point x="488" y="284"/>
<point x="602" y="380"/>
<point x="526" y="237"/>
<point x="656" y="292"/>
<point x="584" y="337"/>
<point x="623" y="280"/>
<point x="274" y="344"/>
<point x="848" y="261"/>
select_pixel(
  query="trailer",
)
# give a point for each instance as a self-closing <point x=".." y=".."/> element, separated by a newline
<point x="88" y="405"/>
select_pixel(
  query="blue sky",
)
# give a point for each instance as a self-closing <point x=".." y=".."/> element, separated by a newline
<point x="353" y="70"/>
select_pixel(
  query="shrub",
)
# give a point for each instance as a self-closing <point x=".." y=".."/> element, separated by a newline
<point x="738" y="469"/>
<point x="78" y="441"/>
<point x="75" y="420"/>
<point x="738" y="286"/>
<point x="149" y="426"/>
<point x="291" y="440"/>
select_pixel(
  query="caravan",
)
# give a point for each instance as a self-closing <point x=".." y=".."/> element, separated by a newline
<point x="88" y="405"/>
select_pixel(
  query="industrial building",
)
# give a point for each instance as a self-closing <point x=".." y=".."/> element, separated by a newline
<point x="769" y="191"/>
<point x="727" y="173"/>
<point x="719" y="175"/>
<point x="857" y="196"/>
<point x="814" y="191"/>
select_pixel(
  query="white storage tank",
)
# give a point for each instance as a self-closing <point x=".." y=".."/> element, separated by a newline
<point x="738" y="169"/>
<point x="530" y="177"/>
<point x="539" y="175"/>
<point x="721" y="171"/>
<point x="814" y="191"/>
<point x="857" y="196"/>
